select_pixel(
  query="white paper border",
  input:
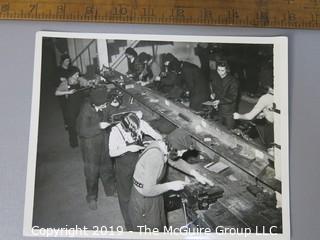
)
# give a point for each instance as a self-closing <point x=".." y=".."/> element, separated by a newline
<point x="280" y="72"/>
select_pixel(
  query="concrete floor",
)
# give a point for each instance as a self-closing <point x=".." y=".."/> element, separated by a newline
<point x="59" y="199"/>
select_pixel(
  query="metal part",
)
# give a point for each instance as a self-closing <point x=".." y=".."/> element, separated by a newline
<point x="199" y="197"/>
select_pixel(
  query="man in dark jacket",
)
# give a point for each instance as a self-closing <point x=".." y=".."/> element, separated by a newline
<point x="93" y="118"/>
<point x="224" y="94"/>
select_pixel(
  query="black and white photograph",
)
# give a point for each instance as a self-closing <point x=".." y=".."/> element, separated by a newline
<point x="158" y="137"/>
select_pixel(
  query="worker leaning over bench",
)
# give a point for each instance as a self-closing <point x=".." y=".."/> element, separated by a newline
<point x="146" y="206"/>
<point x="125" y="144"/>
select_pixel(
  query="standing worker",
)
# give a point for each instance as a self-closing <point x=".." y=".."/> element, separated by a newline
<point x="194" y="80"/>
<point x="62" y="76"/>
<point x="146" y="206"/>
<point x="150" y="69"/>
<point x="134" y="66"/>
<point x="225" y="94"/>
<point x="69" y="90"/>
<point x="93" y="118"/>
<point x="125" y="144"/>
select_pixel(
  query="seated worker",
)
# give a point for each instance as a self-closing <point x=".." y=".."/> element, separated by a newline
<point x="93" y="118"/>
<point x="69" y="89"/>
<point x="263" y="109"/>
<point x="134" y="66"/>
<point x="195" y="82"/>
<point x="146" y="206"/>
<point x="224" y="94"/>
<point x="125" y="144"/>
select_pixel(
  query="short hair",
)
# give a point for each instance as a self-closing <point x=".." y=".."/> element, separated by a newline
<point x="174" y="65"/>
<point x="168" y="57"/>
<point x="64" y="57"/>
<point x="98" y="96"/>
<point x="144" y="57"/>
<point x="223" y="63"/>
<point x="131" y="51"/>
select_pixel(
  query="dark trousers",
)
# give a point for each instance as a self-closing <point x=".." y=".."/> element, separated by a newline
<point x="266" y="132"/>
<point x="125" y="166"/>
<point x="147" y="211"/>
<point x="97" y="164"/>
<point x="63" y="105"/>
<point x="227" y="121"/>
<point x="72" y="113"/>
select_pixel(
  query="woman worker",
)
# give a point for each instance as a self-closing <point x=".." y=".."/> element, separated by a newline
<point x="125" y="144"/>
<point x="69" y="90"/>
<point x="146" y="206"/>
<point x="134" y="66"/>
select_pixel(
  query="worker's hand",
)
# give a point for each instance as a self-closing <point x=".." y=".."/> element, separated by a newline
<point x="134" y="148"/>
<point x="173" y="154"/>
<point x="216" y="103"/>
<point x="157" y="79"/>
<point x="260" y="115"/>
<point x="162" y="75"/>
<point x="63" y="79"/>
<point x="212" y="96"/>
<point x="236" y="116"/>
<point x="177" y="185"/>
<point x="200" y="178"/>
<point x="130" y="75"/>
<point x="147" y="143"/>
<point x="83" y="82"/>
<point x="181" y="152"/>
<point x="104" y="125"/>
<point x="72" y="91"/>
<point x="141" y="76"/>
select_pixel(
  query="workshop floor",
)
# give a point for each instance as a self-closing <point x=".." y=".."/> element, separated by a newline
<point x="59" y="199"/>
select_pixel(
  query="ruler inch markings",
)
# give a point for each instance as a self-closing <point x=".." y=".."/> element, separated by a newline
<point x="254" y="13"/>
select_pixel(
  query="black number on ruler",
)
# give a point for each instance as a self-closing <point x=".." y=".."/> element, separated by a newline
<point x="5" y="7"/>
<point x="177" y="12"/>
<point x="292" y="17"/>
<point x="90" y="11"/>
<point x="233" y="14"/>
<point x="61" y="9"/>
<point x="33" y="8"/>
<point x="119" y="11"/>
<point x="206" y="13"/>
<point x="148" y="12"/>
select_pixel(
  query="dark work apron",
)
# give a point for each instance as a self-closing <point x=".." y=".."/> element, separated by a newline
<point x="125" y="165"/>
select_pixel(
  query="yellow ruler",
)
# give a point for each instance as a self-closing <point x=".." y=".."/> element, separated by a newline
<point x="249" y="13"/>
